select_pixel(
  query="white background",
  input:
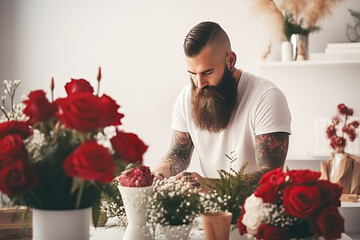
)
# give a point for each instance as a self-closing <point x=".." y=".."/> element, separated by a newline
<point x="138" y="43"/>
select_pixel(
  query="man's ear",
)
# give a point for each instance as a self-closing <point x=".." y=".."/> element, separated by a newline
<point x="231" y="59"/>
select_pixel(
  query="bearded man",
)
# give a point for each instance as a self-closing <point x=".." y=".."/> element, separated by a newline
<point x="224" y="110"/>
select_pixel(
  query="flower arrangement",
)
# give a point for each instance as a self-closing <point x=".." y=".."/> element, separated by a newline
<point x="336" y="133"/>
<point x="71" y="167"/>
<point x="292" y="204"/>
<point x="172" y="203"/>
<point x="229" y="191"/>
<point x="300" y="16"/>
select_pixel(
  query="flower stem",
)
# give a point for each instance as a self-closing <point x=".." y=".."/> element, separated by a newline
<point x="36" y="199"/>
<point x="80" y="193"/>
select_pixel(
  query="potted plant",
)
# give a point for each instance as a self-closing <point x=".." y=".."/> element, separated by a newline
<point x="342" y="167"/>
<point x="54" y="161"/>
<point x="172" y="209"/>
<point x="135" y="186"/>
<point x="229" y="192"/>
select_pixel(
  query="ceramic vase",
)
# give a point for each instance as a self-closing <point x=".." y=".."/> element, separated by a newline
<point x="286" y="51"/>
<point x="61" y="224"/>
<point x="179" y="232"/>
<point x="135" y="201"/>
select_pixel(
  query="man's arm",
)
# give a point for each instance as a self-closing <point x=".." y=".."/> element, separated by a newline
<point x="178" y="157"/>
<point x="271" y="150"/>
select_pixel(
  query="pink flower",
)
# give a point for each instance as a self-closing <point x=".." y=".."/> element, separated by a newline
<point x="137" y="177"/>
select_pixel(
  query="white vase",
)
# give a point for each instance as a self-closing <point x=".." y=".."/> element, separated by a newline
<point x="179" y="232"/>
<point x="135" y="200"/>
<point x="286" y="51"/>
<point x="336" y="161"/>
<point x="61" y="224"/>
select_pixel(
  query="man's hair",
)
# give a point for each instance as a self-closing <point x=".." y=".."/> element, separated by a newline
<point x="202" y="34"/>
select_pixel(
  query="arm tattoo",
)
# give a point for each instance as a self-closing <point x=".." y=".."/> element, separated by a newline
<point x="271" y="150"/>
<point x="180" y="152"/>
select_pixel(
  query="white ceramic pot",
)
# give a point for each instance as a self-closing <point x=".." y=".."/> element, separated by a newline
<point x="61" y="224"/>
<point x="180" y="232"/>
<point x="286" y="51"/>
<point x="135" y="201"/>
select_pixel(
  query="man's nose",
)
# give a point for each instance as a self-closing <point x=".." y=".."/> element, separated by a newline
<point x="201" y="81"/>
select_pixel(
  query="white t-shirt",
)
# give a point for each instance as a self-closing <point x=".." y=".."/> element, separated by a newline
<point x="262" y="108"/>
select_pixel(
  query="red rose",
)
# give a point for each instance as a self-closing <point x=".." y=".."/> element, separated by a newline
<point x="80" y="111"/>
<point x="78" y="86"/>
<point x="110" y="114"/>
<point x="329" y="193"/>
<point x="300" y="201"/>
<point x="305" y="176"/>
<point x="15" y="127"/>
<point x="274" y="177"/>
<point x="17" y="177"/>
<point x="268" y="192"/>
<point x="90" y="161"/>
<point x="329" y="223"/>
<point x="129" y="147"/>
<point x="137" y="177"/>
<point x="269" y="232"/>
<point x="11" y="146"/>
<point x="38" y="108"/>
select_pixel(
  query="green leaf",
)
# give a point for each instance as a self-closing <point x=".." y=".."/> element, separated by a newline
<point x="96" y="210"/>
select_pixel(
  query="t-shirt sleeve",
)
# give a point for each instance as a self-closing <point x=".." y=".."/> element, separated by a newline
<point x="179" y="117"/>
<point x="272" y="113"/>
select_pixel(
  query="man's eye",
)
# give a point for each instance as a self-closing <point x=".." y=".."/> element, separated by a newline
<point x="208" y="73"/>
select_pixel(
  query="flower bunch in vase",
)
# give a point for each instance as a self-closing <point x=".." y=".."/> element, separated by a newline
<point x="292" y="205"/>
<point x="135" y="186"/>
<point x="172" y="208"/>
<point x="70" y="166"/>
<point x="342" y="168"/>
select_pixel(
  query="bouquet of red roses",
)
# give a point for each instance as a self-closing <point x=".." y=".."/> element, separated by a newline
<point x="292" y="204"/>
<point x="71" y="166"/>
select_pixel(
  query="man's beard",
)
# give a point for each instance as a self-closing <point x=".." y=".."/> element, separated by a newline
<point x="213" y="106"/>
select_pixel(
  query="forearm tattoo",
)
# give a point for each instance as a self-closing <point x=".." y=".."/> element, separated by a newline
<point x="180" y="152"/>
<point x="271" y="150"/>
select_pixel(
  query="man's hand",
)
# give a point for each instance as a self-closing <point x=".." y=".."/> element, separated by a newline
<point x="193" y="180"/>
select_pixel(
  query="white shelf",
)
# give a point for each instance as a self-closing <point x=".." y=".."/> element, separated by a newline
<point x="350" y="204"/>
<point x="310" y="63"/>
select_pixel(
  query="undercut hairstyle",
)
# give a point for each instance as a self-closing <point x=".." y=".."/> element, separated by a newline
<point x="202" y="34"/>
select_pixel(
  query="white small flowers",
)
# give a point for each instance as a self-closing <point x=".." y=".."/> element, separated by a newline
<point x="172" y="203"/>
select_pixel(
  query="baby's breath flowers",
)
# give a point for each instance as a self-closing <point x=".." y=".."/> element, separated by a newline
<point x="172" y="203"/>
<point x="11" y="110"/>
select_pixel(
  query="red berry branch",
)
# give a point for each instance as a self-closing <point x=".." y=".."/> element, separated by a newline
<point x="338" y="142"/>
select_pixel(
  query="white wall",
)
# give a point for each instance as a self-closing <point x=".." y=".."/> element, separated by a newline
<point x="138" y="43"/>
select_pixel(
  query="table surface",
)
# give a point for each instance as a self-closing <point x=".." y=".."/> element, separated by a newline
<point x="116" y="233"/>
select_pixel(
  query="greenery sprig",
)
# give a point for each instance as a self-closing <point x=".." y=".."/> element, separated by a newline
<point x="291" y="27"/>
<point x="230" y="191"/>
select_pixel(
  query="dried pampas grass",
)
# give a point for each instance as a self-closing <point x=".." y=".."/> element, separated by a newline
<point x="317" y="10"/>
<point x="310" y="11"/>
